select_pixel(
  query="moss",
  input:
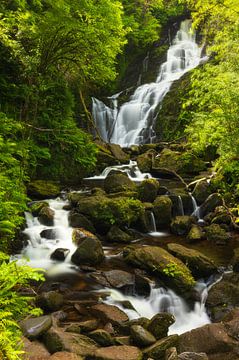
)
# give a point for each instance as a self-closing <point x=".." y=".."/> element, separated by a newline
<point x="148" y="190"/>
<point x="41" y="189"/>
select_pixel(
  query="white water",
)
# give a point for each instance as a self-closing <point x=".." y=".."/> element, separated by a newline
<point x="38" y="251"/>
<point x="196" y="210"/>
<point x="133" y="123"/>
<point x="130" y="169"/>
<point x="163" y="300"/>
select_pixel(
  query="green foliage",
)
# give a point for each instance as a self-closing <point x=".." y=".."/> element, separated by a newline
<point x="13" y="305"/>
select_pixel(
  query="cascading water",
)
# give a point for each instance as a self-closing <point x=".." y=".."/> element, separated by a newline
<point x="164" y="300"/>
<point x="133" y="123"/>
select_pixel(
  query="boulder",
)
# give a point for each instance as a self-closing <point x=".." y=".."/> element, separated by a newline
<point x="65" y="355"/>
<point x="74" y="197"/>
<point x="121" y="352"/>
<point x="80" y="234"/>
<point x="144" y="161"/>
<point x="36" y="206"/>
<point x="48" y="234"/>
<point x="115" y="234"/>
<point x="157" y="351"/>
<point x="83" y="326"/>
<point x="162" y="263"/>
<point x="77" y="220"/>
<point x="101" y="337"/>
<point x="60" y="254"/>
<point x="162" y="211"/>
<point x="210" y="204"/>
<point x="148" y="190"/>
<point x="88" y="252"/>
<point x="195" y="234"/>
<point x="199" y="264"/>
<point x="211" y="339"/>
<point x="216" y="235"/>
<point x="201" y="191"/>
<point x="34" y="350"/>
<point x="223" y="296"/>
<point x="181" y="225"/>
<point x="50" y="301"/>
<point x="141" y="337"/>
<point x="42" y="189"/>
<point x="119" y="278"/>
<point x="34" y="327"/>
<point x="159" y="324"/>
<point x="109" y="313"/>
<point x="57" y="340"/>
<point x="46" y="216"/>
<point x="117" y="182"/>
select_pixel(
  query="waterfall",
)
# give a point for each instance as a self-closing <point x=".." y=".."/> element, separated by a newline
<point x="164" y="300"/>
<point x="133" y="122"/>
<point x="180" y="206"/>
<point x="196" y="210"/>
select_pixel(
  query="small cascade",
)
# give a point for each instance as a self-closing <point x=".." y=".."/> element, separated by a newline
<point x="133" y="122"/>
<point x="196" y="210"/>
<point x="39" y="249"/>
<point x="130" y="169"/>
<point x="153" y="223"/>
<point x="164" y="300"/>
<point x="180" y="206"/>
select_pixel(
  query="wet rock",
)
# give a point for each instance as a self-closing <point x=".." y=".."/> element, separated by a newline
<point x="201" y="191"/>
<point x="221" y="216"/>
<point x="73" y="328"/>
<point x="192" y="356"/>
<point x="160" y="262"/>
<point x="211" y="339"/>
<point x="77" y="220"/>
<point x="35" y="327"/>
<point x="42" y="189"/>
<point x="88" y="252"/>
<point x="87" y="325"/>
<point x="195" y="234"/>
<point x="80" y="234"/>
<point x="34" y="350"/>
<point x="115" y="234"/>
<point x="223" y="296"/>
<point x="75" y="197"/>
<point x="171" y="354"/>
<point x="119" y="278"/>
<point x="142" y="284"/>
<point x="109" y="313"/>
<point x="57" y="340"/>
<point x="181" y="225"/>
<point x="163" y="190"/>
<point x="148" y="190"/>
<point x="102" y="337"/>
<point x="141" y="337"/>
<point x="50" y="301"/>
<point x="117" y="182"/>
<point x="144" y="161"/>
<point x="122" y="340"/>
<point x="162" y="211"/>
<point x="60" y="254"/>
<point x="35" y="207"/>
<point x="157" y="351"/>
<point x="46" y="216"/>
<point x="216" y="234"/>
<point x="210" y="204"/>
<point x="48" y="234"/>
<point x="121" y="352"/>
<point x="199" y="264"/>
<point x="159" y="324"/>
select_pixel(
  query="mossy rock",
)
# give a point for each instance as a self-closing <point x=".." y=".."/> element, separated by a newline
<point x="181" y="225"/>
<point x="140" y="336"/>
<point x="157" y="351"/>
<point x="148" y="190"/>
<point x="162" y="211"/>
<point x="115" y="234"/>
<point x="199" y="264"/>
<point x="89" y="252"/>
<point x="162" y="263"/>
<point x="144" y="161"/>
<point x="46" y="216"/>
<point x="213" y="201"/>
<point x="216" y="234"/>
<point x="160" y="323"/>
<point x="42" y="189"/>
<point x="195" y="234"/>
<point x="118" y="181"/>
<point x="36" y="207"/>
<point x="77" y="220"/>
<point x="74" y="197"/>
<point x="105" y="212"/>
<point x="201" y="191"/>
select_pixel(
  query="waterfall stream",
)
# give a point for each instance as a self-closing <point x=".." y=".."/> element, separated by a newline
<point x="133" y="122"/>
